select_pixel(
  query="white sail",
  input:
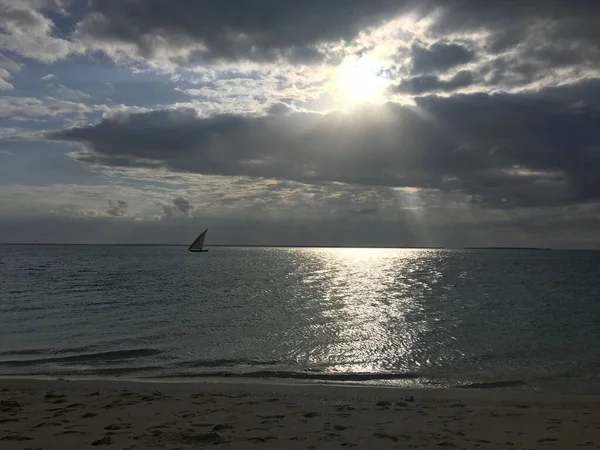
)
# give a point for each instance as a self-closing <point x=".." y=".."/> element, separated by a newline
<point x="198" y="243"/>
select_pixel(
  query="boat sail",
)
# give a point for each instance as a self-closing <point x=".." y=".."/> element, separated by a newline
<point x="197" y="245"/>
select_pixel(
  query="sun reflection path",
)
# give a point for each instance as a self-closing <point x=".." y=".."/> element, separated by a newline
<point x="369" y="301"/>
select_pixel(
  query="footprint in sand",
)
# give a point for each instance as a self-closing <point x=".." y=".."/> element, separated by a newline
<point x="206" y="438"/>
<point x="262" y="438"/>
<point x="16" y="438"/>
<point x="106" y="440"/>
<point x="116" y="426"/>
<point x="53" y="396"/>
<point x="69" y="432"/>
<point x="385" y="436"/>
<point x="9" y="420"/>
<point x="9" y="405"/>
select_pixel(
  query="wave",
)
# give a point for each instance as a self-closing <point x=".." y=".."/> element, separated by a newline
<point x="85" y="357"/>
<point x="230" y="363"/>
<point x="493" y="384"/>
<point x="323" y="376"/>
<point x="47" y="351"/>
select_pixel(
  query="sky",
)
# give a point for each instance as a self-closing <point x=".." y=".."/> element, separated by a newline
<point x="453" y="123"/>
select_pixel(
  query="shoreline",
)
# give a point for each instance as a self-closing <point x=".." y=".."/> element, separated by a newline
<point x="400" y="384"/>
<point x="72" y="414"/>
<point x="263" y="386"/>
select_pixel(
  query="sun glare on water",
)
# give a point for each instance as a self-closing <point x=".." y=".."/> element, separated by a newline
<point x="360" y="79"/>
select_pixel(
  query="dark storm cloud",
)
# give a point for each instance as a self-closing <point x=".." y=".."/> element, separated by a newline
<point x="439" y="56"/>
<point x="504" y="150"/>
<point x="432" y="83"/>
<point x="234" y="29"/>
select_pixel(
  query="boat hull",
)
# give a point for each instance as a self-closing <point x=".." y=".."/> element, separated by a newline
<point x="198" y="251"/>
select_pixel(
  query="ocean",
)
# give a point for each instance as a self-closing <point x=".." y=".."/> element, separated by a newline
<point x="517" y="319"/>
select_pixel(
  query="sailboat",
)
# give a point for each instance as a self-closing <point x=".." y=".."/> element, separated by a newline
<point x="197" y="245"/>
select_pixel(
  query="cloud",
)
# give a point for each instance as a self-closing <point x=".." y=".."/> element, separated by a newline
<point x="439" y="56"/>
<point x="178" y="206"/>
<point x="117" y="208"/>
<point x="31" y="107"/>
<point x="28" y="31"/>
<point x="503" y="150"/>
<point x="63" y="92"/>
<point x="5" y="85"/>
<point x="72" y="211"/>
<point x="240" y="30"/>
<point x="7" y="67"/>
<point x="182" y="205"/>
<point x="48" y="77"/>
<point x="560" y="21"/>
<point x="35" y="108"/>
<point x="555" y="227"/>
<point x="432" y="83"/>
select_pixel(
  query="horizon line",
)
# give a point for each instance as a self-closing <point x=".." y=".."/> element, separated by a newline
<point x="294" y="246"/>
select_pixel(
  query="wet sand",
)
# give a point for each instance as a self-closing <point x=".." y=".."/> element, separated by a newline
<point x="64" y="415"/>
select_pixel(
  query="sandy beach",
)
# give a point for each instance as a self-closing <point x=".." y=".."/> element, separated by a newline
<point x="55" y="414"/>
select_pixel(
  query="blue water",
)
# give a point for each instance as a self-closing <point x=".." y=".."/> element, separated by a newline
<point x="522" y="319"/>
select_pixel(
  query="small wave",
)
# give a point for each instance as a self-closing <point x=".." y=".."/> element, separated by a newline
<point x="492" y="384"/>
<point x="228" y="363"/>
<point x="84" y="371"/>
<point x="46" y="351"/>
<point x="300" y="375"/>
<point x="102" y="356"/>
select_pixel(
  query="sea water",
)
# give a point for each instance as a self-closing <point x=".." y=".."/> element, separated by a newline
<point x="524" y="319"/>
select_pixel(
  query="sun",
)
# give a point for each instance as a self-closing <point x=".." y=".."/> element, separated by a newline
<point x="360" y="79"/>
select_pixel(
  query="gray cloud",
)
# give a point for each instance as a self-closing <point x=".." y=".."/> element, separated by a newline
<point x="167" y="210"/>
<point x="233" y="30"/>
<point x="27" y="29"/>
<point x="179" y="205"/>
<point x="432" y="83"/>
<point x="439" y="56"/>
<point x="183" y="205"/>
<point x="509" y="26"/>
<point x="7" y="67"/>
<point x="504" y="150"/>
<point x="525" y="42"/>
<point x="556" y="228"/>
<point x="203" y="30"/>
<point x="117" y="208"/>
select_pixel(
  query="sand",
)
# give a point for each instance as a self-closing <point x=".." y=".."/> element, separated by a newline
<point x="46" y="414"/>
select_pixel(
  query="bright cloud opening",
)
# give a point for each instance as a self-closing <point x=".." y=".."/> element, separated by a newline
<point x="360" y="79"/>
